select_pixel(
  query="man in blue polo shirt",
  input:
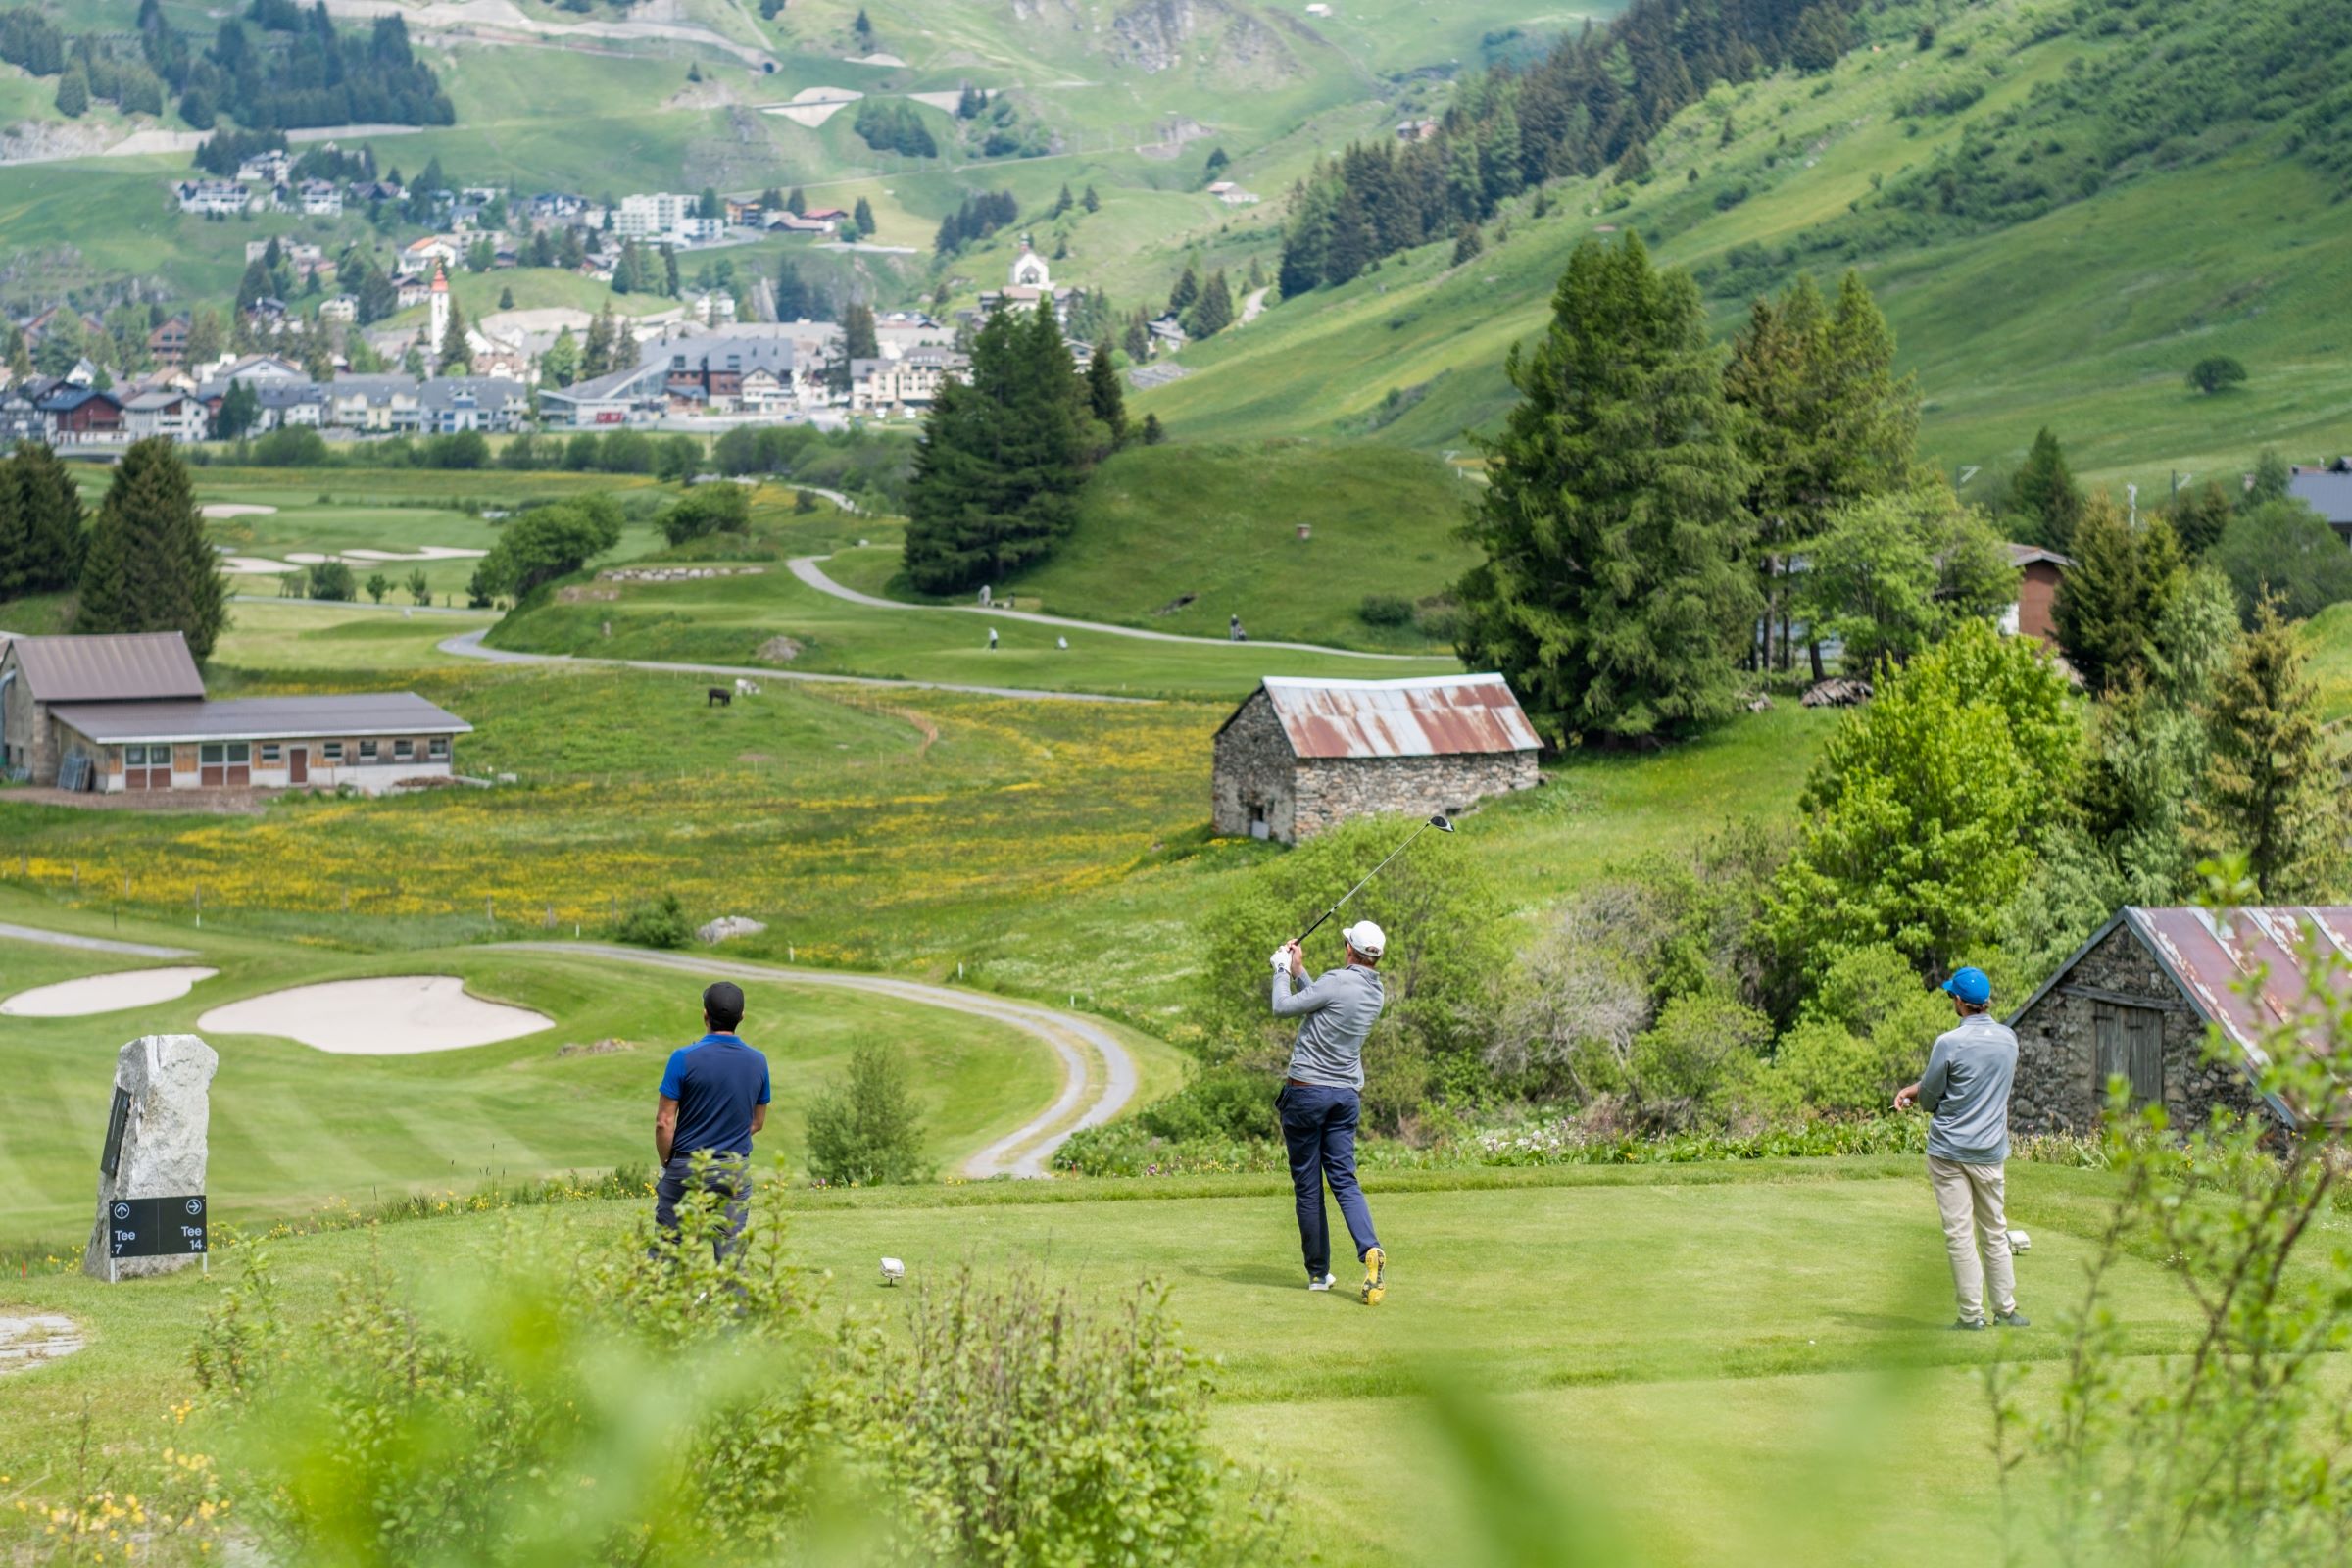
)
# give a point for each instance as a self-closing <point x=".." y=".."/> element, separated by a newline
<point x="713" y="1099"/>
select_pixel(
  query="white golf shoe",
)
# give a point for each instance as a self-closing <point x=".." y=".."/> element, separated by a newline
<point x="1323" y="1284"/>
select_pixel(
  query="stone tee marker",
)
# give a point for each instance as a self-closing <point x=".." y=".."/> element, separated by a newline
<point x="155" y="1149"/>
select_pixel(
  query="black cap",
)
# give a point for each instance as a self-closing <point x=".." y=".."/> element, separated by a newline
<point x="723" y="1003"/>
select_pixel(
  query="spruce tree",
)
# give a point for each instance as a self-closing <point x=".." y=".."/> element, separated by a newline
<point x="1468" y="243"/>
<point x="150" y="567"/>
<point x="792" y="299"/>
<point x="49" y="513"/>
<point x="596" y="355"/>
<point x="1106" y="399"/>
<point x="1612" y="593"/>
<point x="1212" y="311"/>
<point x="864" y="218"/>
<point x="2198" y="516"/>
<point x="2042" y="496"/>
<point x="16" y="545"/>
<point x="1090" y="201"/>
<point x="2272" y="789"/>
<point x="1001" y="458"/>
<point x="1186" y="291"/>
<point x="2110" y="600"/>
<point x="454" y="356"/>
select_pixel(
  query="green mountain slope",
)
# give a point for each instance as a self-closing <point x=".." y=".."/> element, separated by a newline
<point x="2046" y="254"/>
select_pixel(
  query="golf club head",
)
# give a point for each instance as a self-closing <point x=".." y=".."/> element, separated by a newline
<point x="1440" y="823"/>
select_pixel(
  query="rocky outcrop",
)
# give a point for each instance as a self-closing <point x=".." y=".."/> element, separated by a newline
<point x="729" y="925"/>
<point x="1159" y="35"/>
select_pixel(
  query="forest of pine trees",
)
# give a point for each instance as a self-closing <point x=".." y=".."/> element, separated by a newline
<point x="978" y="217"/>
<point x="1577" y="110"/>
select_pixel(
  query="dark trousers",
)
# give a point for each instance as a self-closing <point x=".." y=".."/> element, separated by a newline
<point x="1318" y="1123"/>
<point x="724" y="1179"/>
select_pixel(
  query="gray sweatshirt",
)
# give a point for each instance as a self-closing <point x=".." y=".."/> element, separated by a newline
<point x="1337" y="1011"/>
<point x="1966" y="1091"/>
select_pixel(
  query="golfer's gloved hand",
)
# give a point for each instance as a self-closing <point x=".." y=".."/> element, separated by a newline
<point x="1282" y="960"/>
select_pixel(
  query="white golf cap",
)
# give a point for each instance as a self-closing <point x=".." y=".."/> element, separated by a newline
<point x="1366" y="938"/>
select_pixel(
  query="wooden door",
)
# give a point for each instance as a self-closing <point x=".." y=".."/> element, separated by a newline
<point x="298" y="764"/>
<point x="2128" y="1043"/>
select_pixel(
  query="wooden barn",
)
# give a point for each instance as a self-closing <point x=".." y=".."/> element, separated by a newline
<point x="1299" y="755"/>
<point x="2138" y="1001"/>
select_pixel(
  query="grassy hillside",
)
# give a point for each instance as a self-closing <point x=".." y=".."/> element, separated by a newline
<point x="1178" y="538"/>
<point x="2081" y="311"/>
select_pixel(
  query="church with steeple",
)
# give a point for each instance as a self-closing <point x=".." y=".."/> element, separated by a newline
<point x="1029" y="280"/>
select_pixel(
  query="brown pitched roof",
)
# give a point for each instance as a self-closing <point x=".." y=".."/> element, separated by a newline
<point x="131" y="666"/>
<point x="264" y="718"/>
<point x="1436" y="715"/>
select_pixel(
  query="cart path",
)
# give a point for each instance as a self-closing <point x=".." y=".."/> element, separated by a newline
<point x="27" y="1340"/>
<point x="809" y="569"/>
<point x="468" y="645"/>
<point x="1098" y="1076"/>
<point x="66" y="939"/>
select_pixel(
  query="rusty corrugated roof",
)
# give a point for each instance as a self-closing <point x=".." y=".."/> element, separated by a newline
<point x="1434" y="716"/>
<point x="2210" y="952"/>
<point x="120" y="667"/>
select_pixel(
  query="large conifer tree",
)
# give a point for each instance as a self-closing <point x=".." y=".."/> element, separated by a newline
<point x="2272" y="790"/>
<point x="150" y="567"/>
<point x="998" y="472"/>
<point x="1613" y="594"/>
<point x="1106" y="399"/>
<point x="48" y="506"/>
<point x="2110" y="600"/>
<point x="2043" y="497"/>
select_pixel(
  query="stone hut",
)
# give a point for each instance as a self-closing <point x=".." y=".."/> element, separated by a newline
<point x="1300" y="755"/>
<point x="2140" y="999"/>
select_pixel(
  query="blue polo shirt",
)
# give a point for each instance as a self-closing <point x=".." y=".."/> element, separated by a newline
<point x="715" y="1081"/>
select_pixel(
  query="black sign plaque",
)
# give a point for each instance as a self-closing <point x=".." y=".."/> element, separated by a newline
<point x="155" y="1227"/>
<point x="115" y="1120"/>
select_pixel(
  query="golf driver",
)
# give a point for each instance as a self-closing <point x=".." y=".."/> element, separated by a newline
<point x="1437" y="821"/>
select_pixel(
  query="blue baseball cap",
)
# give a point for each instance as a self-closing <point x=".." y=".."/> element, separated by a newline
<point x="1970" y="986"/>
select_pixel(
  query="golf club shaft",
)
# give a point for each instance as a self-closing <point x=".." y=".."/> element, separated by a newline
<point x="1368" y="876"/>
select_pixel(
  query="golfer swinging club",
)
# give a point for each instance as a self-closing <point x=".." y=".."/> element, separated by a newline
<point x="1321" y="1099"/>
<point x="1965" y="1092"/>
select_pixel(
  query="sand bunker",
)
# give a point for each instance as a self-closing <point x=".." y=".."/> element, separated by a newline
<point x="420" y="553"/>
<point x="235" y="509"/>
<point x="399" y="1016"/>
<point x="944" y="102"/>
<point x="104" y="992"/>
<point x="254" y="564"/>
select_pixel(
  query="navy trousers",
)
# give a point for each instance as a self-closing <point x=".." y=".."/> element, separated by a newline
<point x="1318" y="1124"/>
<point x="725" y="1180"/>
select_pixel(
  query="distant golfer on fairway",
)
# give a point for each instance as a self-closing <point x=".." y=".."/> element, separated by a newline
<point x="713" y="1099"/>
<point x="1965" y="1092"/>
<point x="1322" y="1098"/>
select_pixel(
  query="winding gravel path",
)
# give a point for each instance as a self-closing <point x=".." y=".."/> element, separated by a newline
<point x="66" y="939"/>
<point x="468" y="645"/>
<point x="810" y="571"/>
<point x="1098" y="1076"/>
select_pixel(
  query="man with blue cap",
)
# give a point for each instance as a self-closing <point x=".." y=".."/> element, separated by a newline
<point x="1965" y="1092"/>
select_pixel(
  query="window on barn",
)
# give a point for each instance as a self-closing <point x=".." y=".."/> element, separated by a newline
<point x="210" y="754"/>
<point x="438" y="748"/>
<point x="332" y="750"/>
<point x="404" y="751"/>
<point x="367" y="750"/>
<point x="2128" y="1043"/>
<point x="240" y="752"/>
<point x="270" y="752"/>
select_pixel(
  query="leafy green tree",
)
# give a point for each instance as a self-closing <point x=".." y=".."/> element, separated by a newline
<point x="865" y="1130"/>
<point x="419" y="587"/>
<point x="48" y="509"/>
<point x="2283" y="547"/>
<point x="74" y="93"/>
<point x="2216" y="372"/>
<point x="2110" y="600"/>
<point x="708" y="509"/>
<point x="332" y="579"/>
<point x="795" y="299"/>
<point x="1824" y="32"/>
<point x="1632" y="164"/>
<point x="1921" y="809"/>
<point x="1001" y="458"/>
<point x="1611" y="592"/>
<point x="149" y="567"/>
<point x="1468" y="244"/>
<point x="2043" y="497"/>
<point x="2272" y="479"/>
<point x="2274" y="789"/>
<point x="546" y="543"/>
<point x="560" y="364"/>
<point x="240" y="410"/>
<point x="1895" y="573"/>
<point x="860" y="338"/>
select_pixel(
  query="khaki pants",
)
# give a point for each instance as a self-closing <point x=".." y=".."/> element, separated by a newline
<point x="1968" y="1197"/>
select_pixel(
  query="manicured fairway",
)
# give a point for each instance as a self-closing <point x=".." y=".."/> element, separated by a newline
<point x="1738" y="1363"/>
<point x="294" y="1128"/>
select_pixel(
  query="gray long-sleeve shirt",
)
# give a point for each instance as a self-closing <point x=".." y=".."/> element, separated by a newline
<point x="1336" y="1013"/>
<point x="1966" y="1091"/>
